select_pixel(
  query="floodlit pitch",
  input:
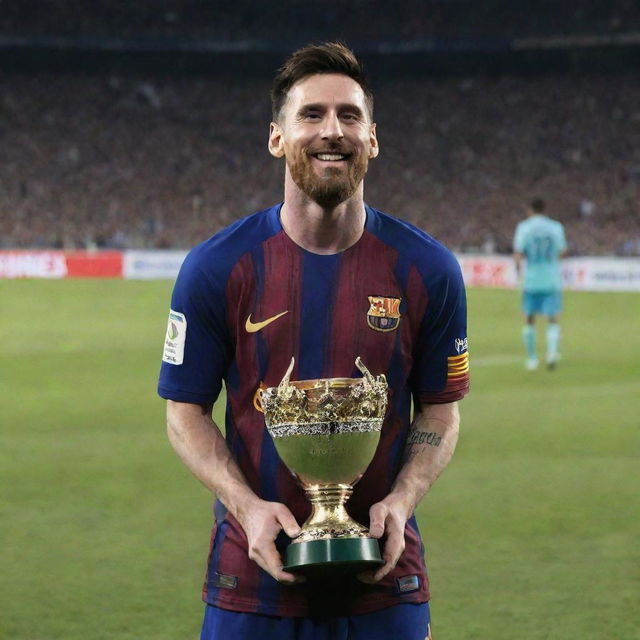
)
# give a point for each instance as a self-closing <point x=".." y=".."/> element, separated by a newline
<point x="534" y="533"/>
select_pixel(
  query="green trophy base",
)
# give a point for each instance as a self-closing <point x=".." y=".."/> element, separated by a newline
<point x="335" y="555"/>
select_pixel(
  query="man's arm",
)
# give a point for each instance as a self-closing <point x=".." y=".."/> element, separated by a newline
<point x="430" y="445"/>
<point x="199" y="443"/>
<point x="518" y="260"/>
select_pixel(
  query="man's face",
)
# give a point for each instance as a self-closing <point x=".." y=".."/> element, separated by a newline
<point x="327" y="137"/>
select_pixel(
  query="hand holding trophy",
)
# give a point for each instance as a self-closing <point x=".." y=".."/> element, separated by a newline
<point x="326" y="432"/>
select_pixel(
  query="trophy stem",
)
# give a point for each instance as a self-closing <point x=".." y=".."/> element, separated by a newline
<point x="325" y="496"/>
<point x="331" y="540"/>
<point x="329" y="518"/>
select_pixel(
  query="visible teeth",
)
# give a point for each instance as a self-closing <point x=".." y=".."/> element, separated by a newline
<point x="330" y="156"/>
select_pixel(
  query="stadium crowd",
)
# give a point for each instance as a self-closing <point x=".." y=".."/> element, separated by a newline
<point x="240" y="20"/>
<point x="131" y="161"/>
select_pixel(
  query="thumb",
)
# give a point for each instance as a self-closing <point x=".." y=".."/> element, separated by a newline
<point x="288" y="522"/>
<point x="377" y="517"/>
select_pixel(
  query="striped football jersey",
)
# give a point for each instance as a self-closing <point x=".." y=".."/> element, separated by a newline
<point x="248" y="300"/>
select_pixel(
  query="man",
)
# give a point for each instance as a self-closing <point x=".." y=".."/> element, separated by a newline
<point x="543" y="242"/>
<point x="314" y="278"/>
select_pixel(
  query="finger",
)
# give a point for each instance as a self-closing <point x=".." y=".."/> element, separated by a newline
<point x="288" y="522"/>
<point x="282" y="576"/>
<point x="267" y="557"/>
<point x="383" y="571"/>
<point x="287" y="578"/>
<point x="392" y="551"/>
<point x="366" y="577"/>
<point x="377" y="516"/>
<point x="389" y="564"/>
<point x="271" y="561"/>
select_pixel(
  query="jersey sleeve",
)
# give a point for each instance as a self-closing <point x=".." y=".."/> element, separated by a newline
<point x="197" y="347"/>
<point x="441" y="359"/>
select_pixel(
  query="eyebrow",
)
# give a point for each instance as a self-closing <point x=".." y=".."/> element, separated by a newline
<point x="319" y="106"/>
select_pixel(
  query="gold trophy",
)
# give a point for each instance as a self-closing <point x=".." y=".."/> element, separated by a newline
<point x="326" y="432"/>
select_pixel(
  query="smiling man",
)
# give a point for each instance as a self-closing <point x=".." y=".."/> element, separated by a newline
<point x="326" y="133"/>
<point x="323" y="278"/>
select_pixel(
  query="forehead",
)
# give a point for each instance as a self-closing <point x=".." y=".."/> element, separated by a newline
<point x="330" y="89"/>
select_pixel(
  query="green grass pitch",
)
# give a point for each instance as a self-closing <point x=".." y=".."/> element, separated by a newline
<point x="533" y="532"/>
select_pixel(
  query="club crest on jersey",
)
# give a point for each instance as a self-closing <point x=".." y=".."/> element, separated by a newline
<point x="384" y="313"/>
<point x="462" y="345"/>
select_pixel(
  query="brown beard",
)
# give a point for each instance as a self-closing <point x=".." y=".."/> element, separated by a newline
<point x="333" y="186"/>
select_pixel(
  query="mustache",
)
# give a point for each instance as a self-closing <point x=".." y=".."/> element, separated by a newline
<point x="332" y="147"/>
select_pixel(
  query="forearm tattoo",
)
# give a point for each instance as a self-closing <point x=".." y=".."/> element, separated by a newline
<point x="424" y="437"/>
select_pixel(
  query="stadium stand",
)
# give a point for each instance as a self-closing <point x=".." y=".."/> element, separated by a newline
<point x="164" y="162"/>
<point x="122" y="156"/>
<point x="220" y="20"/>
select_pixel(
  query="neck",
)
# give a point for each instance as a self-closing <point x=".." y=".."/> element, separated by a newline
<point x="318" y="229"/>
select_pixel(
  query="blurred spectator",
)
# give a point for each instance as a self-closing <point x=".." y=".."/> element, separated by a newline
<point x="587" y="208"/>
<point x="167" y="161"/>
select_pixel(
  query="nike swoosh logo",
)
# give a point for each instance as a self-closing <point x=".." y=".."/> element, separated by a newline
<point x="252" y="327"/>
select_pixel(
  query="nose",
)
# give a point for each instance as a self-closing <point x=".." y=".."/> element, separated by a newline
<point x="331" y="129"/>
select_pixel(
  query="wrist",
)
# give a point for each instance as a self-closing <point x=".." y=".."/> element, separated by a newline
<point x="244" y="505"/>
<point x="401" y="501"/>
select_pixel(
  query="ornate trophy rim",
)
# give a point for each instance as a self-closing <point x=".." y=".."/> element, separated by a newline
<point x="325" y="401"/>
<point x="319" y="383"/>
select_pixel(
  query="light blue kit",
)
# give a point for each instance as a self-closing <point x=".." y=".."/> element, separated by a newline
<point x="542" y="241"/>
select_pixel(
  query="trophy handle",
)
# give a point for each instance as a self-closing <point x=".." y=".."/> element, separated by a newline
<point x="284" y="383"/>
<point x="257" y="398"/>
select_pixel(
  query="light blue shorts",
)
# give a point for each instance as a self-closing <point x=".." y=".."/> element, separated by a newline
<point x="548" y="303"/>
<point x="404" y="621"/>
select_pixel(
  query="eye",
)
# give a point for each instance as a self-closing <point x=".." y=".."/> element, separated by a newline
<point x="349" y="116"/>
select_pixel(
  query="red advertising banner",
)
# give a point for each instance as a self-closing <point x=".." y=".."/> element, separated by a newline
<point x="98" y="264"/>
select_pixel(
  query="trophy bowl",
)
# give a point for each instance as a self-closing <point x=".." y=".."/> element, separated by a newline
<point x="326" y="432"/>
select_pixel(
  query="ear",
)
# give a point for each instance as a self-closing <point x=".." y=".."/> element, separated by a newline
<point x="276" y="141"/>
<point x="374" y="148"/>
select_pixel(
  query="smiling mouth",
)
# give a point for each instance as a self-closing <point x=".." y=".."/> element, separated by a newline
<point x="331" y="157"/>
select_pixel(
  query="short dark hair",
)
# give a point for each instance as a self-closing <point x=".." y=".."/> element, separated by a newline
<point x="325" y="57"/>
<point x="538" y="205"/>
